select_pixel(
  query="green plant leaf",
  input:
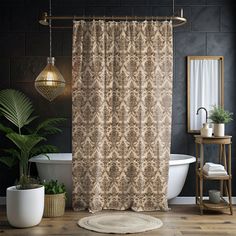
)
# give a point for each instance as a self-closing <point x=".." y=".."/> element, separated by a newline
<point x="43" y="149"/>
<point x="50" y="126"/>
<point x="13" y="152"/>
<point x="5" y="129"/>
<point x="31" y="119"/>
<point x="8" y="161"/>
<point x="13" y="157"/>
<point x="53" y="187"/>
<point x="25" y="142"/>
<point x="218" y="115"/>
<point x="16" y="107"/>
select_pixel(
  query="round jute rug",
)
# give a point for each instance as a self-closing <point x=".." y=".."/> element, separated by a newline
<point x="120" y="223"/>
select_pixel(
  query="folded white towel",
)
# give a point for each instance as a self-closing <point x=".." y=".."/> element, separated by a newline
<point x="209" y="166"/>
<point x="215" y="173"/>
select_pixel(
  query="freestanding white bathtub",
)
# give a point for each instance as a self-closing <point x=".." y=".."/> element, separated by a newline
<point x="178" y="170"/>
<point x="59" y="167"/>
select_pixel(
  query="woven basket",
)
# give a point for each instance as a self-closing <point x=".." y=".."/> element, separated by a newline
<point x="54" y="205"/>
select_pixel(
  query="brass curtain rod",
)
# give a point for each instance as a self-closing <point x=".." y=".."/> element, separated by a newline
<point x="177" y="20"/>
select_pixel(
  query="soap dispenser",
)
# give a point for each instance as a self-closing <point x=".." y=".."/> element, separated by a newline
<point x="206" y="131"/>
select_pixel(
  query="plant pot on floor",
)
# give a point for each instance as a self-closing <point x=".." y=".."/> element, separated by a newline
<point x="54" y="205"/>
<point x="25" y="207"/>
<point x="219" y="130"/>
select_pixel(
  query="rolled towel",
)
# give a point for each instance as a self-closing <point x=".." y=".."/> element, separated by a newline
<point x="215" y="173"/>
<point x="209" y="166"/>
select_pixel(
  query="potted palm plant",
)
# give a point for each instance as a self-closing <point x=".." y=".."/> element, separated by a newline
<point x="55" y="199"/>
<point x="220" y="117"/>
<point x="25" y="201"/>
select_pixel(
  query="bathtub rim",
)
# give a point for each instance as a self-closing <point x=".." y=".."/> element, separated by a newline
<point x="186" y="160"/>
<point x="55" y="160"/>
<point x="63" y="159"/>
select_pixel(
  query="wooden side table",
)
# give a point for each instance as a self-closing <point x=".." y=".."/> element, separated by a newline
<point x="225" y="181"/>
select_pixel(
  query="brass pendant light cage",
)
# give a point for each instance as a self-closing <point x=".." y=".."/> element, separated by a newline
<point x="50" y="83"/>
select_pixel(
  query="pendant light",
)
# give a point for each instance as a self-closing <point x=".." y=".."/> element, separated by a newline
<point x="50" y="83"/>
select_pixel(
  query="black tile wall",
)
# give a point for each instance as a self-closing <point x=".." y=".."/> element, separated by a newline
<point x="228" y="22"/>
<point x="179" y="139"/>
<point x="67" y="44"/>
<point x="161" y="11"/>
<point x="68" y="10"/>
<point x="119" y="11"/>
<point x="11" y="3"/>
<point x="37" y="44"/>
<point x="189" y="3"/>
<point x="4" y="18"/>
<point x="133" y="2"/>
<point x="95" y="11"/>
<point x="223" y="44"/>
<point x="5" y="72"/>
<point x="12" y="44"/>
<point x="182" y="40"/>
<point x="159" y="2"/>
<point x="24" y="46"/>
<point x="139" y="11"/>
<point x="206" y="19"/>
<point x="179" y="115"/>
<point x="220" y="2"/>
<point x="26" y="69"/>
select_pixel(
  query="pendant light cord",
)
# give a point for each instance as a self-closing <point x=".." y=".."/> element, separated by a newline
<point x="173" y="7"/>
<point x="50" y="28"/>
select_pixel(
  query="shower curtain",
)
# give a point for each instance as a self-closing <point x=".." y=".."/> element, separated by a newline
<point x="121" y="104"/>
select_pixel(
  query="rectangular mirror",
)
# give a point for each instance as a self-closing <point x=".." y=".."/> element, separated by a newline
<point x="205" y="88"/>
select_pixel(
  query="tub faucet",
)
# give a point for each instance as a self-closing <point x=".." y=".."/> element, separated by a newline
<point x="205" y="111"/>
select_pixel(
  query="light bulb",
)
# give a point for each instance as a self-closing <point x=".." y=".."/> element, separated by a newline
<point x="49" y="78"/>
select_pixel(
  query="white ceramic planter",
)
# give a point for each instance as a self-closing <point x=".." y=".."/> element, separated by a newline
<point x="219" y="130"/>
<point x="25" y="207"/>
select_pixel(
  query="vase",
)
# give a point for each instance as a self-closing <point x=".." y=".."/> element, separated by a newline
<point x="214" y="196"/>
<point x="219" y="130"/>
<point x="25" y="207"/>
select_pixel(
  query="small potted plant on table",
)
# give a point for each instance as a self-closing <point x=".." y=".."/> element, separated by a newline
<point x="220" y="117"/>
<point x="25" y="201"/>
<point x="55" y="199"/>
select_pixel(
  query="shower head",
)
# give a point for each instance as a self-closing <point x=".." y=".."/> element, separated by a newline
<point x="43" y="19"/>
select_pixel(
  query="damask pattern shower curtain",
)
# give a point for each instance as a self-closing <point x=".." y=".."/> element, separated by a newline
<point x="122" y="104"/>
